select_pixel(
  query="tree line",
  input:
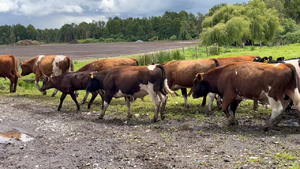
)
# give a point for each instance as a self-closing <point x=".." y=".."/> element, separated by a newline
<point x="259" y="21"/>
<point x="174" y="25"/>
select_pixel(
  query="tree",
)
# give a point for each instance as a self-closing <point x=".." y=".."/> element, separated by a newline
<point x="184" y="31"/>
<point x="31" y="32"/>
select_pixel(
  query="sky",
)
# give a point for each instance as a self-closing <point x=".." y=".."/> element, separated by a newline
<point x="44" y="14"/>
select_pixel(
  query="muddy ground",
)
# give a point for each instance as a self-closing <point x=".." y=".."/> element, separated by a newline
<point x="75" y="140"/>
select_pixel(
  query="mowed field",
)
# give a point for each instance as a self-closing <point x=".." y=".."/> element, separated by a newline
<point x="187" y="138"/>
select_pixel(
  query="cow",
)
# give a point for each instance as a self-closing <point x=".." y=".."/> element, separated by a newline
<point x="268" y="59"/>
<point x="132" y="81"/>
<point x="9" y="69"/>
<point x="268" y="83"/>
<point x="68" y="83"/>
<point x="181" y="73"/>
<point x="225" y="61"/>
<point x="105" y="64"/>
<point x="45" y="66"/>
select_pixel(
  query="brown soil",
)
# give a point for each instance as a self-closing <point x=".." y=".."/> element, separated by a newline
<point x="97" y="50"/>
<point x="74" y="140"/>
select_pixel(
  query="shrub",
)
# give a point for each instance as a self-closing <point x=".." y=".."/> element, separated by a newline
<point x="252" y="48"/>
<point x="214" y="50"/>
<point x="162" y="57"/>
<point x="177" y="56"/>
<point x="173" y="38"/>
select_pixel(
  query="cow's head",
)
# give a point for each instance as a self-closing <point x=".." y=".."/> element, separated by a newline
<point x="26" y="69"/>
<point x="260" y="59"/>
<point x="94" y="83"/>
<point x="47" y="83"/>
<point x="201" y="88"/>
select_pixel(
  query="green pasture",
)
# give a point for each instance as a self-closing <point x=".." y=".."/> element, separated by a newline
<point x="175" y="106"/>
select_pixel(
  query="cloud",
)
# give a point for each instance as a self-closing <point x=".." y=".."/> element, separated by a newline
<point x="7" y="5"/>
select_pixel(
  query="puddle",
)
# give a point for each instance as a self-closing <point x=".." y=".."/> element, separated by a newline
<point x="10" y="136"/>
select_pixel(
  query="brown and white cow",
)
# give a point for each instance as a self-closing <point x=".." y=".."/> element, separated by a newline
<point x="105" y="64"/>
<point x="45" y="66"/>
<point x="181" y="74"/>
<point x="68" y="83"/>
<point x="269" y="83"/>
<point x="132" y="81"/>
<point x="9" y="69"/>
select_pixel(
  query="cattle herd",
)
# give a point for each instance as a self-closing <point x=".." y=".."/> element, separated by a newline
<point x="229" y="80"/>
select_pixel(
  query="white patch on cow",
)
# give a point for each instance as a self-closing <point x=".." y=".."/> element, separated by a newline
<point x="276" y="106"/>
<point x="211" y="97"/>
<point x="39" y="59"/>
<point x="176" y="87"/>
<point x="235" y="72"/>
<point x="277" y="64"/>
<point x="269" y="88"/>
<point x="294" y="62"/>
<point x="151" y="67"/>
<point x="56" y="70"/>
<point x="105" y="104"/>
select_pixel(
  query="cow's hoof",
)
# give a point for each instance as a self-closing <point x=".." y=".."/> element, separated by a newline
<point x="44" y="93"/>
<point x="51" y="95"/>
<point x="129" y="116"/>
<point x="233" y="122"/>
<point x="154" y="120"/>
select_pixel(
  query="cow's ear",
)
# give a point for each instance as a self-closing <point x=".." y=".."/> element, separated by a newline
<point x="199" y="77"/>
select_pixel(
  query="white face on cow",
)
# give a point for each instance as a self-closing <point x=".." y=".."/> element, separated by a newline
<point x="151" y="67"/>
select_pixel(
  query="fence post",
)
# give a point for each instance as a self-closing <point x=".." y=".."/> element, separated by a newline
<point x="196" y="52"/>
<point x="183" y="52"/>
<point x="169" y="54"/>
<point x="206" y="51"/>
<point x="144" y="59"/>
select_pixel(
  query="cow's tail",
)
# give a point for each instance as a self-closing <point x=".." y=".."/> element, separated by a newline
<point x="136" y="61"/>
<point x="71" y="65"/>
<point x="16" y="69"/>
<point x="166" y="88"/>
<point x="217" y="63"/>
<point x="295" y="75"/>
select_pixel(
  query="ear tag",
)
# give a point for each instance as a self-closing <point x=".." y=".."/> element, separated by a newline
<point x="266" y="61"/>
<point x="92" y="76"/>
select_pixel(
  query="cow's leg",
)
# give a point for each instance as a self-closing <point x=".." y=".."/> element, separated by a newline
<point x="227" y="100"/>
<point x="255" y="105"/>
<point x="219" y="102"/>
<point x="85" y="97"/>
<point x="277" y="109"/>
<point x="211" y="97"/>
<point x="233" y="108"/>
<point x="191" y="92"/>
<point x="15" y="83"/>
<point x="154" y="99"/>
<point x="62" y="98"/>
<point x="54" y="93"/>
<point x="203" y="101"/>
<point x="164" y="99"/>
<point x="105" y="106"/>
<point x="11" y="79"/>
<point x="94" y="95"/>
<point x="38" y="75"/>
<point x="75" y="100"/>
<point x="184" y="95"/>
<point x="127" y="100"/>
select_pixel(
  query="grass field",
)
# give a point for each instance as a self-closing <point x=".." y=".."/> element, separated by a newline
<point x="175" y="105"/>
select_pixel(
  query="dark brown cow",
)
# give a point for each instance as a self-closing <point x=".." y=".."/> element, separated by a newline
<point x="131" y="81"/>
<point x="181" y="74"/>
<point x="67" y="83"/>
<point x="105" y="64"/>
<point x="46" y="65"/>
<point x="268" y="83"/>
<point x="9" y="69"/>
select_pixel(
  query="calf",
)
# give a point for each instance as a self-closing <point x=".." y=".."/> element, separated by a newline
<point x="9" y="69"/>
<point x="45" y="66"/>
<point x="131" y="81"/>
<point x="68" y="83"/>
<point x="105" y="64"/>
<point x="268" y="83"/>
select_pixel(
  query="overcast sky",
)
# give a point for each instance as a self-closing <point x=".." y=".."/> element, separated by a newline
<point x="55" y="13"/>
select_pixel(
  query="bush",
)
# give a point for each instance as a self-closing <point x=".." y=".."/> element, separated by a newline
<point x="177" y="56"/>
<point x="293" y="37"/>
<point x="214" y="50"/>
<point x="252" y="48"/>
<point x="173" y="38"/>
<point x="148" y="59"/>
<point x="162" y="57"/>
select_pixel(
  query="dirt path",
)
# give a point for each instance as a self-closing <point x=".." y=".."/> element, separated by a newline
<point x="75" y="140"/>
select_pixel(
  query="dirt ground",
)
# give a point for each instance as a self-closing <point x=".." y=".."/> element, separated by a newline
<point x="97" y="50"/>
<point x="75" y="140"/>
